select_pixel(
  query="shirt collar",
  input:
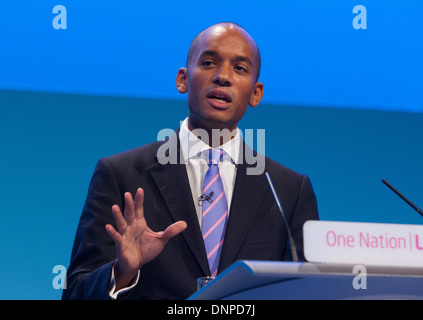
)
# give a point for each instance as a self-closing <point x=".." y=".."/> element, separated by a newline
<point x="192" y="147"/>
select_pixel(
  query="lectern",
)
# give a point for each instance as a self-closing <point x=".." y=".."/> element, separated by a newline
<point x="268" y="280"/>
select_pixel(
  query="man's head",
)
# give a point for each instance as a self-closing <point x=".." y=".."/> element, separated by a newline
<point x="223" y="66"/>
<point x="195" y="44"/>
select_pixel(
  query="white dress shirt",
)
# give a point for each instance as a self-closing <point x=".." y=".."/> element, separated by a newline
<point x="196" y="163"/>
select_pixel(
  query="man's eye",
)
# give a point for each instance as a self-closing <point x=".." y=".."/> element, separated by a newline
<point x="207" y="63"/>
<point x="241" y="68"/>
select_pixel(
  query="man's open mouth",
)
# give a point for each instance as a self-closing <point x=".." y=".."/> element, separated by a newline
<point x="220" y="96"/>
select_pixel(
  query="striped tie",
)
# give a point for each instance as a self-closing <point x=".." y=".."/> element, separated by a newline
<point x="215" y="211"/>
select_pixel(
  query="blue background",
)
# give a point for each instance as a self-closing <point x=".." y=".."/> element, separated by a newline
<point x="344" y="106"/>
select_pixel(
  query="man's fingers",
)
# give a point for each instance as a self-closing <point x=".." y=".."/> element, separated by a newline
<point x="116" y="237"/>
<point x="129" y="208"/>
<point x="174" y="229"/>
<point x="120" y="221"/>
<point x="139" y="203"/>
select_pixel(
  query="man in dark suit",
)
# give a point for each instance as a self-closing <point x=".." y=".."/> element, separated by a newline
<point x="118" y="255"/>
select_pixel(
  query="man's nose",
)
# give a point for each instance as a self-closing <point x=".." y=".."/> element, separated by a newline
<point x="222" y="76"/>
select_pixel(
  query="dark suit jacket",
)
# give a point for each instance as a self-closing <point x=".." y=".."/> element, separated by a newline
<point x="255" y="229"/>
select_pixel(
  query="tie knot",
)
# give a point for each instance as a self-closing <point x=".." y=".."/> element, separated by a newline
<point x="215" y="156"/>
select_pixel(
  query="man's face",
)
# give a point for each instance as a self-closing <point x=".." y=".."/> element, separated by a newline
<point x="221" y="79"/>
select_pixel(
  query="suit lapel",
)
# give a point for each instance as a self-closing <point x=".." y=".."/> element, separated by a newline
<point x="248" y="194"/>
<point x="172" y="182"/>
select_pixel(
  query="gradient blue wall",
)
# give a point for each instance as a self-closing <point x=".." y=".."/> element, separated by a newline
<point x="341" y="105"/>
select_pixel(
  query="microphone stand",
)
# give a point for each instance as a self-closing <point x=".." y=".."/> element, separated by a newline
<point x="290" y="238"/>
<point x="403" y="197"/>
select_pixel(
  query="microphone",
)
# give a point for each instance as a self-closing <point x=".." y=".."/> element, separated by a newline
<point x="290" y="238"/>
<point x="205" y="197"/>
<point x="402" y="197"/>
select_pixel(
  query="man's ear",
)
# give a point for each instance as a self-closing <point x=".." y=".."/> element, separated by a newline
<point x="257" y="94"/>
<point x="181" y="80"/>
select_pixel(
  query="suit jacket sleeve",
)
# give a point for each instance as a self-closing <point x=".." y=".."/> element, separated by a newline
<point x="93" y="252"/>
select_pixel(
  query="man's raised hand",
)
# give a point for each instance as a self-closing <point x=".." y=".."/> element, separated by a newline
<point x="136" y="244"/>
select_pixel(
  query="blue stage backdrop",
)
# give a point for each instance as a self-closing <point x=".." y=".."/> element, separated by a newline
<point x="343" y="103"/>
